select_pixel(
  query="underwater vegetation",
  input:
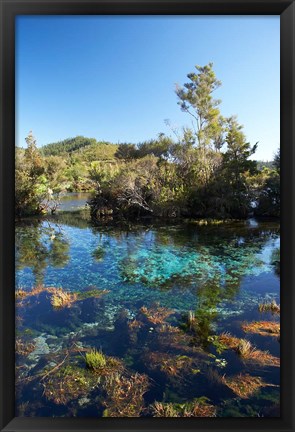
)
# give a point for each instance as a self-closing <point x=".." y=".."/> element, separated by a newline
<point x="124" y="395"/>
<point x="100" y="363"/>
<point x="68" y="383"/>
<point x="269" y="307"/>
<point x="244" y="385"/>
<point x="169" y="364"/>
<point x="147" y="321"/>
<point x="198" y="408"/>
<point x="22" y="348"/>
<point x="263" y="328"/>
<point x="156" y="314"/>
<point x="59" y="298"/>
<point x="248" y="352"/>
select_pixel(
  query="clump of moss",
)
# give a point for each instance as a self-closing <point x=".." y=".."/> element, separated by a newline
<point x="272" y="307"/>
<point x="249" y="353"/>
<point x="61" y="299"/>
<point x="125" y="395"/>
<point x="156" y="314"/>
<point x="198" y="408"/>
<point x="263" y="328"/>
<point x="244" y="386"/>
<point x="95" y="359"/>
<point x="100" y="363"/>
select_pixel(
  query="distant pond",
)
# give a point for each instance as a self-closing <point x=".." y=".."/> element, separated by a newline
<point x="72" y="201"/>
<point x="169" y="308"/>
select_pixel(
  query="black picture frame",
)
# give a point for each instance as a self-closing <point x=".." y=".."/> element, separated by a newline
<point x="9" y="10"/>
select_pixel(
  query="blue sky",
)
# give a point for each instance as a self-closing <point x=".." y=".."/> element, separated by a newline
<point x="113" y="77"/>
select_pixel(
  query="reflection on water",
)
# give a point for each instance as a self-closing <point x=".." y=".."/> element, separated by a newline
<point x="74" y="200"/>
<point x="216" y="275"/>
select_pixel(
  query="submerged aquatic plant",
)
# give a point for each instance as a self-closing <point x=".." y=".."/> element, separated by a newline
<point x="68" y="383"/>
<point x="100" y="363"/>
<point x="23" y="348"/>
<point x="270" y="307"/>
<point x="124" y="394"/>
<point x="263" y="328"/>
<point x="156" y="314"/>
<point x="20" y="293"/>
<point x="95" y="359"/>
<point x="244" y="348"/>
<point x="169" y="364"/>
<point x="245" y="385"/>
<point x="191" y="319"/>
<point x="99" y="253"/>
<point x="248" y="352"/>
<point x="61" y="299"/>
<point x="91" y="293"/>
<point x="198" y="408"/>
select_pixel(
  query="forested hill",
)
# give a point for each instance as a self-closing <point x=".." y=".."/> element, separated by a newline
<point x="78" y="143"/>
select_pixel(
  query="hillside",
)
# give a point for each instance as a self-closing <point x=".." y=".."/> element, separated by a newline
<point x="90" y="147"/>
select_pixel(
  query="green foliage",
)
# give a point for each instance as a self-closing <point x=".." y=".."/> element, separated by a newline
<point x="126" y="152"/>
<point x="268" y="190"/>
<point x="207" y="172"/>
<point x="95" y="360"/>
<point x="196" y="98"/>
<point x="67" y="146"/>
<point x="31" y="182"/>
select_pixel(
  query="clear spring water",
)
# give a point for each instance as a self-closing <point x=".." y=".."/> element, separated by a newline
<point x="220" y="272"/>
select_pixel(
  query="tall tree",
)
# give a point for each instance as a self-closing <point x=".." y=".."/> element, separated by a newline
<point x="196" y="98"/>
<point x="236" y="167"/>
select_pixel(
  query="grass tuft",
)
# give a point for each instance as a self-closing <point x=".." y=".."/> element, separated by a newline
<point x="61" y="299"/>
<point x="248" y="352"/>
<point x="197" y="408"/>
<point x="244" y="386"/>
<point x="272" y="307"/>
<point x="263" y="328"/>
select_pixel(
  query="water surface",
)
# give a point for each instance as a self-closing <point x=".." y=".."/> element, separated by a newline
<point x="221" y="273"/>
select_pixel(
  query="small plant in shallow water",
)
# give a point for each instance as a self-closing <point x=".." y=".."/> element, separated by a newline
<point x="270" y="307"/>
<point x="215" y="341"/>
<point x="68" y="383"/>
<point x="248" y="352"/>
<point x="169" y="364"/>
<point x="156" y="314"/>
<point x="100" y="363"/>
<point x="23" y="348"/>
<point x="246" y="385"/>
<point x="244" y="348"/>
<point x="191" y="319"/>
<point x="263" y="328"/>
<point x="20" y="294"/>
<point x="198" y="408"/>
<point x="95" y="360"/>
<point x="91" y="293"/>
<point x="124" y="395"/>
<point x="61" y="299"/>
